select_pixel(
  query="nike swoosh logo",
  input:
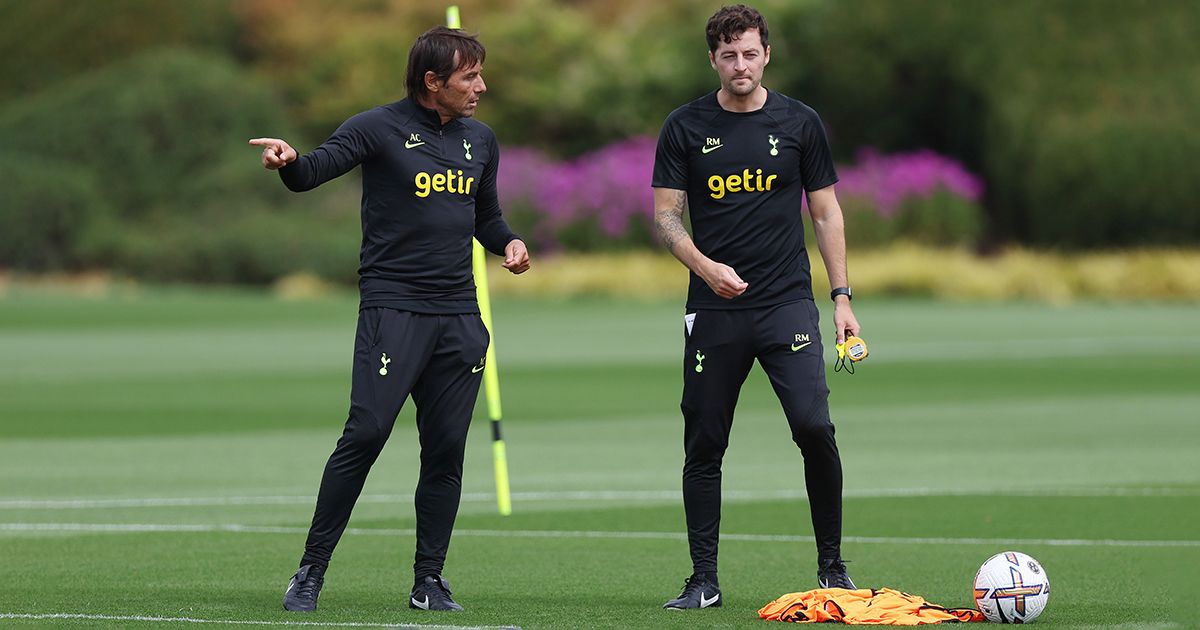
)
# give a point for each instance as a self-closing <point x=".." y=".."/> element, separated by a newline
<point x="290" y="585"/>
<point x="409" y="145"/>
<point x="711" y="149"/>
<point x="422" y="605"/>
<point x="477" y="369"/>
<point x="705" y="603"/>
<point x="795" y="347"/>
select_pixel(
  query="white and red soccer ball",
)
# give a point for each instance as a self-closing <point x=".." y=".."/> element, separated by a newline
<point x="1011" y="587"/>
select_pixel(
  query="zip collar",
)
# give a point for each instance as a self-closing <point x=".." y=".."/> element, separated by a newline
<point x="429" y="117"/>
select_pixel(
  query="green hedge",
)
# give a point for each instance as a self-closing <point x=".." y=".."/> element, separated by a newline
<point x="144" y="168"/>
<point x="151" y="130"/>
<point x="257" y="247"/>
<point x="1077" y="112"/>
<point x="43" y="42"/>
<point x="48" y="212"/>
<point x="940" y="219"/>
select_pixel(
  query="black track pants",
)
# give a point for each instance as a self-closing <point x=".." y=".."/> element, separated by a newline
<point x="719" y="352"/>
<point x="439" y="360"/>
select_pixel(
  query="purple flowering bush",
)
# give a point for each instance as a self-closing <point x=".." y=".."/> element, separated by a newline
<point x="919" y="196"/>
<point x="602" y="200"/>
<point x="598" y="201"/>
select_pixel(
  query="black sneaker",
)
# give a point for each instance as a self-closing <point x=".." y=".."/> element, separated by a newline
<point x="304" y="589"/>
<point x="432" y="593"/>
<point x="832" y="574"/>
<point x="698" y="592"/>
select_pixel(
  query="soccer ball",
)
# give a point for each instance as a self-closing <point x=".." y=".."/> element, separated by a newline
<point x="1011" y="587"/>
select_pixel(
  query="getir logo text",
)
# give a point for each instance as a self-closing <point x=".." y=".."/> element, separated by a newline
<point x="739" y="182"/>
<point x="451" y="181"/>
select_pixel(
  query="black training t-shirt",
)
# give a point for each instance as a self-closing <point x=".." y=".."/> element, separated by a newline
<point x="427" y="189"/>
<point x="745" y="175"/>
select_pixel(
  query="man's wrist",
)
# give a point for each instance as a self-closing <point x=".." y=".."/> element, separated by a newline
<point x="841" y="292"/>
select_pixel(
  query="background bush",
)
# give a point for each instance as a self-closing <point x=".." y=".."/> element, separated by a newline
<point x="144" y="168"/>
<point x="921" y="197"/>
<point x="48" y="212"/>
<point x="598" y="201"/>
<point x="45" y="41"/>
<point x="123" y="123"/>
<point x="603" y="200"/>
<point x="1075" y="111"/>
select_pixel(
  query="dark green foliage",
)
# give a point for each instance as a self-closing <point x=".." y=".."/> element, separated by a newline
<point x="257" y="247"/>
<point x="148" y="159"/>
<point x="942" y="218"/>
<point x="1076" y="113"/>
<point x="151" y="130"/>
<point x="45" y="41"/>
<point x="47" y="212"/>
<point x="563" y="84"/>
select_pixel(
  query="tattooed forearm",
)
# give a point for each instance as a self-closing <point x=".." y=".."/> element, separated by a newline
<point x="668" y="220"/>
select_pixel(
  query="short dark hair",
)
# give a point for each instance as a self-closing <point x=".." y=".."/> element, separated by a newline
<point x="730" y="21"/>
<point x="435" y="50"/>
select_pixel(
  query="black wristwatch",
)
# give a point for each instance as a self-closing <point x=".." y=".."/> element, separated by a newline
<point x="841" y="291"/>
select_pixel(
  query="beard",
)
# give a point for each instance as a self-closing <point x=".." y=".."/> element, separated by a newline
<point x="742" y="88"/>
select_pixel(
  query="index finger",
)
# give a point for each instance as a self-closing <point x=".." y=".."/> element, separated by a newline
<point x="264" y="142"/>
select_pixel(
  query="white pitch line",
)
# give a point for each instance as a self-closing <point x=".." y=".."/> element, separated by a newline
<point x="111" y="528"/>
<point x="242" y="622"/>
<point x="1128" y="625"/>
<point x="589" y="495"/>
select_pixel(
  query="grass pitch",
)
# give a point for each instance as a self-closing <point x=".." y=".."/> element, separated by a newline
<point x="160" y="453"/>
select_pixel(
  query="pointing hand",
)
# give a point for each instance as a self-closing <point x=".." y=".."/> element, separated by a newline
<point x="276" y="153"/>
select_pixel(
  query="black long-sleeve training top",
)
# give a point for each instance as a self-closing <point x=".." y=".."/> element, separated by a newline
<point x="427" y="189"/>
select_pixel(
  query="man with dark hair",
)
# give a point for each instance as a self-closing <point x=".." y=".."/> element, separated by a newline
<point x="429" y="186"/>
<point x="740" y="160"/>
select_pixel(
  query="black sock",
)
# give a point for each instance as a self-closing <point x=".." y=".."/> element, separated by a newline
<point x="708" y="576"/>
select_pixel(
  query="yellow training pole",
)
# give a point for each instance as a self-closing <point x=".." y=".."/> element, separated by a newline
<point x="491" y="378"/>
<point x="491" y="385"/>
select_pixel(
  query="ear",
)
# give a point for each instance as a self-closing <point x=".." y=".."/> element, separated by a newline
<point x="767" y="56"/>
<point x="712" y="60"/>
<point x="432" y="84"/>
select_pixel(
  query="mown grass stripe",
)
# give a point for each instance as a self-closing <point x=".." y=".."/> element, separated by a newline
<point x="592" y="495"/>
<point x="106" y="528"/>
